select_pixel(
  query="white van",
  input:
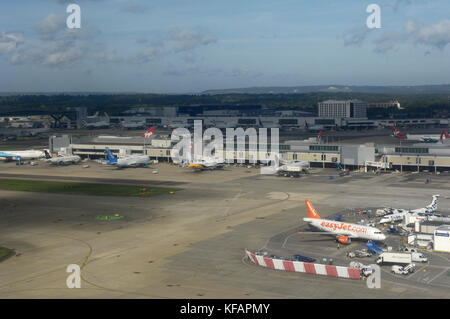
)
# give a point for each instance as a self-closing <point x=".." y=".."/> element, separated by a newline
<point x="403" y="270"/>
<point x="418" y="257"/>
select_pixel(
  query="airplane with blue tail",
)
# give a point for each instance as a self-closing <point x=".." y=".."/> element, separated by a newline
<point x="128" y="161"/>
<point x="421" y="214"/>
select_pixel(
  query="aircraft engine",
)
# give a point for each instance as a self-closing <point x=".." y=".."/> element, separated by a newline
<point x="344" y="239"/>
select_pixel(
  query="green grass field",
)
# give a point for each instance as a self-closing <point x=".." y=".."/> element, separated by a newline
<point x="4" y="252"/>
<point x="81" y="188"/>
<point x="14" y="147"/>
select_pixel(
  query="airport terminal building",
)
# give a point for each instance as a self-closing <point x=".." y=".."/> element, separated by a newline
<point x="417" y="157"/>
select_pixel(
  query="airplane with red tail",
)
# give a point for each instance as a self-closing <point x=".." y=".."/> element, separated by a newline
<point x="397" y="133"/>
<point x="319" y="137"/>
<point x="149" y="132"/>
<point x="426" y="138"/>
<point x="344" y="232"/>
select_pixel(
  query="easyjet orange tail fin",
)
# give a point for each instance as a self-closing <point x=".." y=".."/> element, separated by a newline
<point x="311" y="211"/>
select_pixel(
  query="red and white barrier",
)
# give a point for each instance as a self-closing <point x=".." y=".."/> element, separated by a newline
<point x="299" y="266"/>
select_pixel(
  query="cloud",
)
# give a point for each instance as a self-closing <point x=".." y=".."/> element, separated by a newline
<point x="186" y="40"/>
<point x="388" y="41"/>
<point x="73" y="1"/>
<point x="436" y="35"/>
<point x="244" y="73"/>
<point x="51" y="26"/>
<point x="102" y="54"/>
<point x="185" y="70"/>
<point x="176" y="41"/>
<point x="399" y="4"/>
<point x="9" y="41"/>
<point x="53" y="55"/>
<point x="191" y="69"/>
<point x="356" y="36"/>
<point x="135" y="8"/>
<point x="62" y="57"/>
<point x="141" y="40"/>
<point x="57" y="46"/>
<point x="146" y="55"/>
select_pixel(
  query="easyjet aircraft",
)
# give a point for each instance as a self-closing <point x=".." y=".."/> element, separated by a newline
<point x="343" y="231"/>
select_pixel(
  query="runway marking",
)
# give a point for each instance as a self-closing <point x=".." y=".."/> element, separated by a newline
<point x="85" y="261"/>
<point x="417" y="271"/>
<point x="232" y="202"/>
<point x="285" y="241"/>
<point x="278" y="195"/>
<point x="439" y="274"/>
<point x="439" y="255"/>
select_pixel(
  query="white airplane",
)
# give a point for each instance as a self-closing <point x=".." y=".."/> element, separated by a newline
<point x="290" y="168"/>
<point x="427" y="138"/>
<point x="419" y="213"/>
<point x="96" y="121"/>
<point x="132" y="125"/>
<point x="64" y="160"/>
<point x="148" y="133"/>
<point x="294" y="167"/>
<point x="343" y="231"/>
<point x="128" y="161"/>
<point x="205" y="163"/>
<point x="314" y="127"/>
<point x="23" y="155"/>
<point x="176" y="124"/>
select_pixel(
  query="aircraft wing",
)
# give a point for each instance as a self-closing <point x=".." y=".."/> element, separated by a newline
<point x="209" y="164"/>
<point x="349" y="235"/>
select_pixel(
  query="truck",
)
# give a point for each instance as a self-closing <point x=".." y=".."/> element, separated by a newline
<point x="394" y="258"/>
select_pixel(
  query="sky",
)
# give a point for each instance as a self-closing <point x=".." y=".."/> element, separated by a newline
<point x="179" y="46"/>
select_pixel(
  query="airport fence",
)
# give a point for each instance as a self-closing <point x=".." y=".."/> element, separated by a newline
<point x="298" y="266"/>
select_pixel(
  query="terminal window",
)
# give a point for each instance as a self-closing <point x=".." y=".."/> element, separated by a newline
<point x="411" y="150"/>
<point x="330" y="148"/>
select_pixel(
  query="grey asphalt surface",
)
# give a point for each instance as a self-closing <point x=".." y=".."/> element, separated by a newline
<point x="190" y="244"/>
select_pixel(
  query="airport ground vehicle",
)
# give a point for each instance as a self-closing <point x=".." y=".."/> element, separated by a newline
<point x="410" y="250"/>
<point x="373" y="249"/>
<point x="415" y="254"/>
<point x="418" y="257"/>
<point x="359" y="253"/>
<point x="397" y="258"/>
<point x="403" y="270"/>
<point x="364" y="270"/>
<point x="304" y="258"/>
<point x="351" y="254"/>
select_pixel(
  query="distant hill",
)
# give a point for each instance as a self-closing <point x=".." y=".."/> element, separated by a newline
<point x="418" y="89"/>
